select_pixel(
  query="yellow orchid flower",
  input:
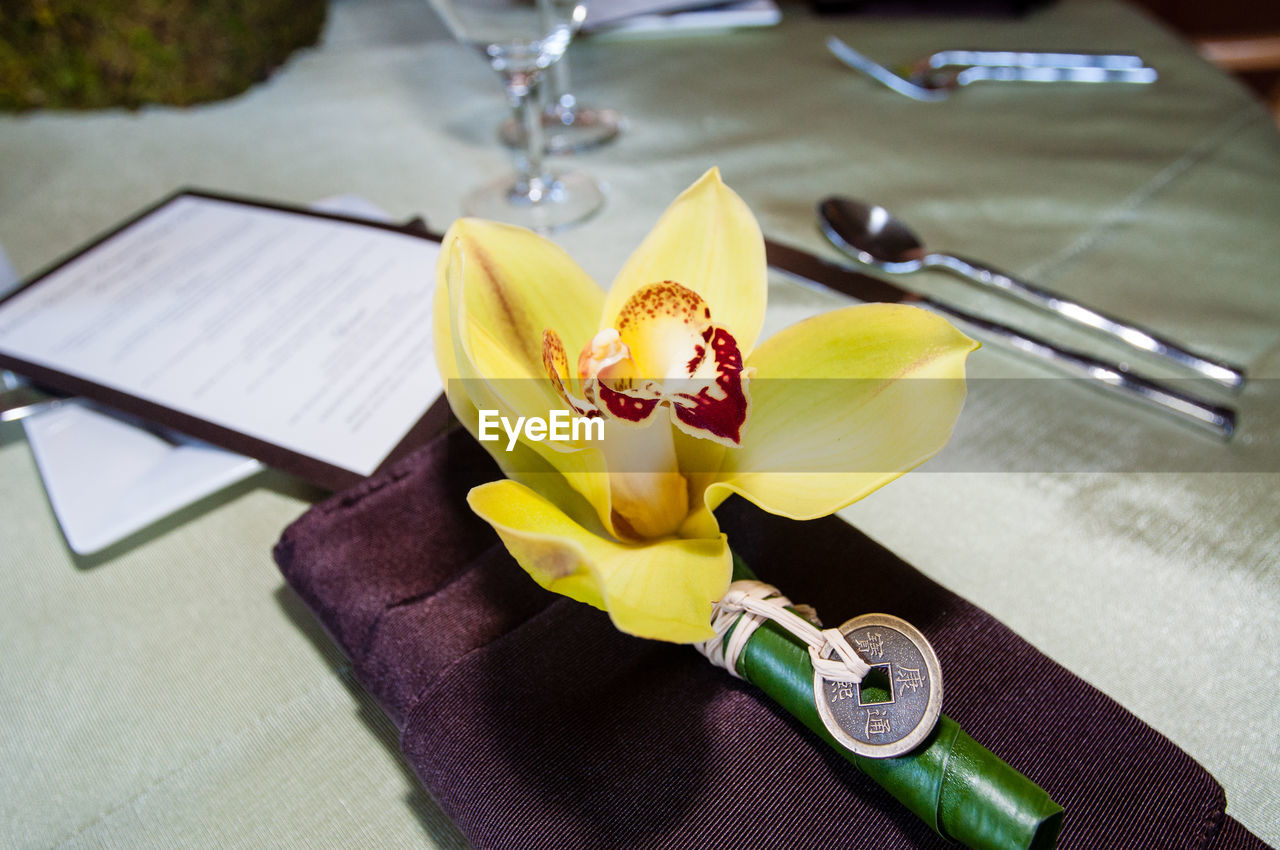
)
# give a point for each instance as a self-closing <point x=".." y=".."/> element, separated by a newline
<point x="690" y="410"/>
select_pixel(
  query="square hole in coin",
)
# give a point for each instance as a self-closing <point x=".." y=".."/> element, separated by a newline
<point x="875" y="688"/>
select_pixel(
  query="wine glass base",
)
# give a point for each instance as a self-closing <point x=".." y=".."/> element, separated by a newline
<point x="568" y="129"/>
<point x="570" y="199"/>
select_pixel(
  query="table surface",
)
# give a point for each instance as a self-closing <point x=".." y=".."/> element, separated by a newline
<point x="172" y="692"/>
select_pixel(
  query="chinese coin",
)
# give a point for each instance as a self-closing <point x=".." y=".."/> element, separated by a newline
<point x="897" y="704"/>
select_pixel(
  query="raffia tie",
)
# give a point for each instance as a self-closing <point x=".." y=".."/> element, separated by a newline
<point x="749" y="603"/>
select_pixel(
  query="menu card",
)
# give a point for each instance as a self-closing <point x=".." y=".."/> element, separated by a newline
<point x="299" y="338"/>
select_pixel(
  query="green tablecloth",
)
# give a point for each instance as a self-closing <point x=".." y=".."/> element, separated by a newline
<point x="170" y="692"/>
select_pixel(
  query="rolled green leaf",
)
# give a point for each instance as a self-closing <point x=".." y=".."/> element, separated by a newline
<point x="953" y="783"/>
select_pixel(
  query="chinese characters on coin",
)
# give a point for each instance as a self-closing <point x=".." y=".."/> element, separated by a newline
<point x="895" y="707"/>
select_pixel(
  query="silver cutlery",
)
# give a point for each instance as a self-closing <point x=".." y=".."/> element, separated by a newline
<point x="874" y="237"/>
<point x="1188" y="408"/>
<point x="876" y="71"/>
<point x="812" y="270"/>
<point x="937" y="75"/>
<point x="951" y="77"/>
<point x="25" y="400"/>
<point x="19" y="400"/>
<point x="1029" y="59"/>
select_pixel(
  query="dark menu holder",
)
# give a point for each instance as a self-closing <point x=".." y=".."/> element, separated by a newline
<point x="310" y="469"/>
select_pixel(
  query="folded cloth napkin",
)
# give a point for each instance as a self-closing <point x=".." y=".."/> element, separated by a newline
<point x="535" y="724"/>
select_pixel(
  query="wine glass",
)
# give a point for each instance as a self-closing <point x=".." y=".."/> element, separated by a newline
<point x="521" y="39"/>
<point x="568" y="126"/>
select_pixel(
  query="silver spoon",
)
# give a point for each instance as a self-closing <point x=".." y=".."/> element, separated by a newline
<point x="871" y="235"/>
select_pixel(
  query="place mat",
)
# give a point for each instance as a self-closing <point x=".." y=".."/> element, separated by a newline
<point x="535" y="724"/>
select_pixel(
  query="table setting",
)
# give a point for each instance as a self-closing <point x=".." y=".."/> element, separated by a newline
<point x="1039" y="489"/>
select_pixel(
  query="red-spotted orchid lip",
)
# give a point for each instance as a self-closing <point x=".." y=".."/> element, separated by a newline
<point x="664" y="351"/>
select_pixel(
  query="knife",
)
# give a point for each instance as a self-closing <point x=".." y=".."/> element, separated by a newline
<point x="811" y="269"/>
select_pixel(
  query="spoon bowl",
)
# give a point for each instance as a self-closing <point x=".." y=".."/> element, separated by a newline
<point x="872" y="234"/>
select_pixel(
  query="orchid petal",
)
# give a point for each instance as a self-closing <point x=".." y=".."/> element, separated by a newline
<point x="518" y="284"/>
<point x="661" y="589"/>
<point x="556" y="362"/>
<point x="484" y="322"/>
<point x="715" y="406"/>
<point x="650" y="497"/>
<point x="709" y="241"/>
<point x="694" y="365"/>
<point x="843" y="403"/>
<point x="699" y="461"/>
<point x="665" y="326"/>
<point x="474" y="365"/>
<point x="635" y="405"/>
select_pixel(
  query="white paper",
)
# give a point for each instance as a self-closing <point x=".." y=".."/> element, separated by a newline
<point x="307" y="333"/>
<point x="624" y="18"/>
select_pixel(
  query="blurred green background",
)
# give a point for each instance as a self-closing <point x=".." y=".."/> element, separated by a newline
<point x="92" y="53"/>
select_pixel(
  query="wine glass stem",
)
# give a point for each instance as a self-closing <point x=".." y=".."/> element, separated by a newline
<point x="522" y="90"/>
<point x="558" y="89"/>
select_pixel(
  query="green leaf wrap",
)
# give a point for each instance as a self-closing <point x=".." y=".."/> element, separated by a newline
<point x="950" y="781"/>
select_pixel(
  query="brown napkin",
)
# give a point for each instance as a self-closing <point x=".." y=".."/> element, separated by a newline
<point x="535" y="724"/>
